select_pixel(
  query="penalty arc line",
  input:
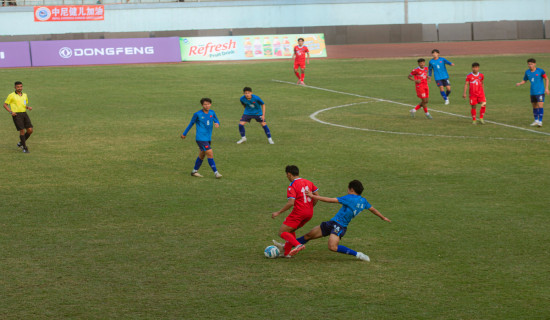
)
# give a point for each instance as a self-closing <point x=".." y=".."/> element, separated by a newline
<point x="410" y="105"/>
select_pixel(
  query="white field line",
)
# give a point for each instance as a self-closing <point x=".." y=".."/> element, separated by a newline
<point x="410" y="105"/>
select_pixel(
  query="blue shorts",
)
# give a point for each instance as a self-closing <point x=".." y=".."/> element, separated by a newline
<point x="443" y="82"/>
<point x="204" y="145"/>
<point x="247" y="118"/>
<point x="537" y="98"/>
<point x="332" y="227"/>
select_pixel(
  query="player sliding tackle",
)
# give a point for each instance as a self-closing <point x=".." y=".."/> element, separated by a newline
<point x="352" y="204"/>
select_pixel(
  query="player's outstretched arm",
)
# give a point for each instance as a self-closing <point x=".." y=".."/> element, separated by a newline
<point x="316" y="196"/>
<point x="376" y="212"/>
<point x="520" y="83"/>
<point x="287" y="206"/>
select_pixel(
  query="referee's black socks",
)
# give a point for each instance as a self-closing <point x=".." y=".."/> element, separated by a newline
<point x="23" y="139"/>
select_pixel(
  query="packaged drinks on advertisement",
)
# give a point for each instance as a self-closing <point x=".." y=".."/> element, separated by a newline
<point x="277" y="47"/>
<point x="268" y="50"/>
<point x="315" y="44"/>
<point x="257" y="47"/>
<point x="286" y="47"/>
<point x="248" y="52"/>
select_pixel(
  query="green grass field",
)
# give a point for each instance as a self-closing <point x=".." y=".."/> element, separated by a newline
<point x="102" y="219"/>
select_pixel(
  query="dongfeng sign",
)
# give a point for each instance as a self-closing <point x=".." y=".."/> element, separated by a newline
<point x="67" y="52"/>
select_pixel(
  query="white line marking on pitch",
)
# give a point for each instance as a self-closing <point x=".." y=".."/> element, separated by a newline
<point x="410" y="105"/>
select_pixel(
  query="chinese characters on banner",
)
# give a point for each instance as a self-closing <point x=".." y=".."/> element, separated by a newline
<point x="68" y="13"/>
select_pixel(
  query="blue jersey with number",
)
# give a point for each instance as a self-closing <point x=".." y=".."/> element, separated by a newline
<point x="252" y="107"/>
<point x="352" y="204"/>
<point x="536" y="78"/>
<point x="204" y="123"/>
<point x="439" y="69"/>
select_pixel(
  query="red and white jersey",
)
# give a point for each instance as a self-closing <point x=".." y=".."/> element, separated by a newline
<point x="297" y="191"/>
<point x="476" y="84"/>
<point x="300" y="53"/>
<point x="420" y="74"/>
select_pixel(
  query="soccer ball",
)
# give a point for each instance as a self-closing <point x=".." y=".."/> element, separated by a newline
<point x="271" y="252"/>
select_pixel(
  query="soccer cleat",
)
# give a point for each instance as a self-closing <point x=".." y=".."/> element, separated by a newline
<point x="474" y="122"/>
<point x="481" y="121"/>
<point x="413" y="112"/>
<point x="294" y="251"/>
<point x="279" y="245"/>
<point x="299" y="81"/>
<point x="217" y="175"/>
<point x="362" y="256"/>
<point x="270" y="141"/>
<point x="447" y="101"/>
<point x="19" y="145"/>
<point x="429" y="116"/>
<point x="539" y="124"/>
<point x="25" y="150"/>
<point x="302" y="83"/>
<point x="196" y="174"/>
<point x="243" y="139"/>
<point x="534" y="124"/>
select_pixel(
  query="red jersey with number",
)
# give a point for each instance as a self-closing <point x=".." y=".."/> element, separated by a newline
<point x="422" y="75"/>
<point x="476" y="84"/>
<point x="300" y="53"/>
<point x="297" y="191"/>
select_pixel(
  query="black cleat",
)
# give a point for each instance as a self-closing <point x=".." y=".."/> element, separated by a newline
<point x="19" y="145"/>
<point x="26" y="150"/>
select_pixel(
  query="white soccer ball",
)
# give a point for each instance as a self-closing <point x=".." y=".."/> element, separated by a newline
<point x="271" y="252"/>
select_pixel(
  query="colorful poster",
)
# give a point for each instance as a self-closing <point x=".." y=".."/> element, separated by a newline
<point x="14" y="54"/>
<point x="249" y="47"/>
<point x="105" y="51"/>
<point x="68" y="13"/>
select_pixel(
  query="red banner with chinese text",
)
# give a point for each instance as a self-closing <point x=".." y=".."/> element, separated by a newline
<point x="68" y="13"/>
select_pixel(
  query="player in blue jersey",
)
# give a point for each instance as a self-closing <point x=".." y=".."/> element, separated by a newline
<point x="538" y="89"/>
<point x="204" y="120"/>
<point x="254" y="108"/>
<point x="335" y="228"/>
<point x="437" y="66"/>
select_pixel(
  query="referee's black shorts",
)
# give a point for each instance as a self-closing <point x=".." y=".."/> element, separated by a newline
<point x="22" y="121"/>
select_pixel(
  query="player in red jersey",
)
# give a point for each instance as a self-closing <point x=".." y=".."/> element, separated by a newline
<point x="299" y="56"/>
<point x="477" y="95"/>
<point x="301" y="213"/>
<point x="420" y="77"/>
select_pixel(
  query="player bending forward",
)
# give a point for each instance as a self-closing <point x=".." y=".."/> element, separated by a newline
<point x="420" y="77"/>
<point x="301" y="213"/>
<point x="477" y="94"/>
<point x="254" y="108"/>
<point x="352" y="204"/>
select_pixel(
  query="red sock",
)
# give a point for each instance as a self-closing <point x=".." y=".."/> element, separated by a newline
<point x="303" y="76"/>
<point x="473" y="112"/>
<point x="482" y="112"/>
<point x="288" y="248"/>
<point x="417" y="107"/>
<point x="291" y="238"/>
<point x="297" y="74"/>
<point x="425" y="109"/>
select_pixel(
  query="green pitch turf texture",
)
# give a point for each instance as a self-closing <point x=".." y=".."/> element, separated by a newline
<point x="102" y="219"/>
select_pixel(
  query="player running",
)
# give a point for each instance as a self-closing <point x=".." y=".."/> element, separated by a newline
<point x="420" y="77"/>
<point x="205" y="120"/>
<point x="254" y="108"/>
<point x="538" y="89"/>
<point x="302" y="210"/>
<point x="299" y="56"/>
<point x="352" y="204"/>
<point x="437" y="65"/>
<point x="477" y="94"/>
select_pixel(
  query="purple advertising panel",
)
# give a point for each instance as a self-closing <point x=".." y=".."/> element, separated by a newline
<point x="16" y="54"/>
<point x="105" y="51"/>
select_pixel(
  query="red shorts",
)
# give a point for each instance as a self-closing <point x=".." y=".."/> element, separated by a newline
<point x="297" y="220"/>
<point x="477" y="100"/>
<point x="299" y="64"/>
<point x="423" y="92"/>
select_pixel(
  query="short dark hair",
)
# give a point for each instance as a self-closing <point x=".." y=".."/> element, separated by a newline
<point x="356" y="186"/>
<point x="421" y="60"/>
<point x="475" y="64"/>
<point x="18" y="82"/>
<point x="245" y="89"/>
<point x="205" y="99"/>
<point x="301" y="39"/>
<point x="435" y="50"/>
<point x="531" y="60"/>
<point x="293" y="170"/>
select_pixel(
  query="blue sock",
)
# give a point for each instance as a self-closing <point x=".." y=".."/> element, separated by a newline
<point x="267" y="132"/>
<point x="448" y="93"/>
<point x="241" y="130"/>
<point x="198" y="163"/>
<point x="346" y="250"/>
<point x="536" y="113"/>
<point x="212" y="164"/>
<point x="443" y="94"/>
<point x="541" y="113"/>
<point x="302" y="240"/>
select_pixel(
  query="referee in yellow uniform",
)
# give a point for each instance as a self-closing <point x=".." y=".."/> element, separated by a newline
<point x="17" y="105"/>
